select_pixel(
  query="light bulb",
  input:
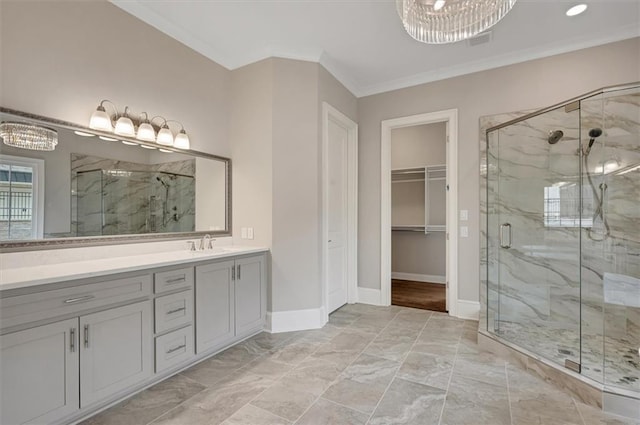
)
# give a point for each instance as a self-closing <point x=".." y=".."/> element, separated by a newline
<point x="146" y="132"/>
<point x="129" y="143"/>
<point x="100" y="120"/>
<point x="147" y="147"/>
<point x="107" y="139"/>
<point x="124" y="127"/>
<point x="439" y="4"/>
<point x="182" y="140"/>
<point x="165" y="137"/>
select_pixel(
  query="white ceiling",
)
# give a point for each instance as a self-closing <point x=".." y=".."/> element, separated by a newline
<point x="363" y="43"/>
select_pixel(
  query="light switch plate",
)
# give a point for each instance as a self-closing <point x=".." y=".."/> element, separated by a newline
<point x="464" y="232"/>
<point x="464" y="215"/>
<point x="250" y="233"/>
<point x="243" y="233"/>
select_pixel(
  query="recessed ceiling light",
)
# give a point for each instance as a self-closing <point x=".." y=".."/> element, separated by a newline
<point x="84" y="134"/>
<point x="108" y="139"/>
<point x="577" y="9"/>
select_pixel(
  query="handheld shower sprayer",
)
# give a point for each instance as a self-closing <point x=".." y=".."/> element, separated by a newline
<point x="594" y="133"/>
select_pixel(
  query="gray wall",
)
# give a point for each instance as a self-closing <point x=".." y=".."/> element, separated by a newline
<point x="528" y="85"/>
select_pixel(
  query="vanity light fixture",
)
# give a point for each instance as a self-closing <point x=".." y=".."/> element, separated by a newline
<point x="129" y="143"/>
<point x="124" y="125"/>
<point x="146" y="132"/>
<point x="577" y="9"/>
<point x="28" y="136"/>
<point x="141" y="128"/>
<point x="448" y="21"/>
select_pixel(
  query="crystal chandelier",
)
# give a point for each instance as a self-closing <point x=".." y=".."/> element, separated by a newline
<point x="28" y="136"/>
<point x="448" y="21"/>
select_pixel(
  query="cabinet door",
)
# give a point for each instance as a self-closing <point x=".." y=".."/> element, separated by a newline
<point x="116" y="351"/>
<point x="251" y="294"/>
<point x="214" y="305"/>
<point x="39" y="373"/>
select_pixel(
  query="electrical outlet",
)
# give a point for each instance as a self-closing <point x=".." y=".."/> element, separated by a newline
<point x="464" y="215"/>
<point x="464" y="232"/>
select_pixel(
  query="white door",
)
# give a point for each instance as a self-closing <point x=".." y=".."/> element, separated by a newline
<point x="337" y="163"/>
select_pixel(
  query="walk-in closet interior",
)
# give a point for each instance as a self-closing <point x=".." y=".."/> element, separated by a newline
<point x="418" y="211"/>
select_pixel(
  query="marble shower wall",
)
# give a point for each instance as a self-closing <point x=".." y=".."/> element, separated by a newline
<point x="112" y="197"/>
<point x="532" y="296"/>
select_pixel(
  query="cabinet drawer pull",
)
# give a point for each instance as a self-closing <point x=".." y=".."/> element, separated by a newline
<point x="86" y="336"/>
<point x="174" y="349"/>
<point x="175" y="310"/>
<point x="239" y="278"/>
<point x="72" y="340"/>
<point x="176" y="280"/>
<point x="79" y="299"/>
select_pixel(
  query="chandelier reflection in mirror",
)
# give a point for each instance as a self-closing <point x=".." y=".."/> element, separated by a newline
<point x="141" y="127"/>
<point x="448" y="21"/>
<point x="28" y="136"/>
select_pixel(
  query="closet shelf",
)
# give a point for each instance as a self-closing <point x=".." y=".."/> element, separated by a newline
<point x="408" y="228"/>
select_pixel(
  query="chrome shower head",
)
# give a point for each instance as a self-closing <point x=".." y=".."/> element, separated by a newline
<point x="555" y="136"/>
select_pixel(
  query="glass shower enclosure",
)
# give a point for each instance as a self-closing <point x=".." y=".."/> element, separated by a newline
<point x="115" y="201"/>
<point x="563" y="235"/>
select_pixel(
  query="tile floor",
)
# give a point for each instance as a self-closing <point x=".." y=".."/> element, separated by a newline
<point x="368" y="365"/>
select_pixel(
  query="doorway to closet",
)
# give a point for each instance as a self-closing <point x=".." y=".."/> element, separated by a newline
<point x="418" y="216"/>
<point x="424" y="219"/>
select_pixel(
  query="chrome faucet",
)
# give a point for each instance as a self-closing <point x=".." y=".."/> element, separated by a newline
<point x="203" y="242"/>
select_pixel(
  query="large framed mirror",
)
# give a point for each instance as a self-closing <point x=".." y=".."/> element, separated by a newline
<point x="98" y="188"/>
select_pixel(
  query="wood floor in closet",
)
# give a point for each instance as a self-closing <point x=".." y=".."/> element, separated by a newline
<point x="426" y="296"/>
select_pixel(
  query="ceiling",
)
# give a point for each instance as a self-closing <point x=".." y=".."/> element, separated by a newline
<point x="362" y="42"/>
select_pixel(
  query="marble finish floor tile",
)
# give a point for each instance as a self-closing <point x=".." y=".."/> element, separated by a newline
<point x="371" y="365"/>
<point x="150" y="403"/>
<point x="410" y="403"/>
<point x="254" y="416"/>
<point x="472" y="402"/>
<point x="428" y="369"/>
<point x="325" y="412"/>
<point x="363" y="383"/>
<point x="284" y="401"/>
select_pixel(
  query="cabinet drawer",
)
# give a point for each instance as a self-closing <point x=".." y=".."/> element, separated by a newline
<point x="174" y="279"/>
<point x="174" y="348"/>
<point x="47" y="304"/>
<point x="172" y="311"/>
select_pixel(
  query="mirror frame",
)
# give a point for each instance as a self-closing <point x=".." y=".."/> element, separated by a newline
<point x="75" y="242"/>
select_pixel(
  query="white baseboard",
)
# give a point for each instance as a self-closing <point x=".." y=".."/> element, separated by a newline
<point x="419" y="277"/>
<point x="369" y="296"/>
<point x="469" y="310"/>
<point x="295" y="320"/>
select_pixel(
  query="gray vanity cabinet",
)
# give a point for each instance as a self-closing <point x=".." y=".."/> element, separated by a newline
<point x="214" y="307"/>
<point x="116" y="351"/>
<point x="250" y="294"/>
<point x="231" y="301"/>
<point x="39" y="373"/>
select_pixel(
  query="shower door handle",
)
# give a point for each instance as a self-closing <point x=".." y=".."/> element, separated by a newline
<point x="505" y="242"/>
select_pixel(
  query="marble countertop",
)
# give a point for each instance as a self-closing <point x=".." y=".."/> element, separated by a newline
<point x="22" y="277"/>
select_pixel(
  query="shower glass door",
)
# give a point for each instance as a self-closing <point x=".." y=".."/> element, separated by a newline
<point x="534" y="203"/>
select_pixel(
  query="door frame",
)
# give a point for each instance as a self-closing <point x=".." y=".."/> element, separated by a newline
<point x="450" y="116"/>
<point x="329" y="113"/>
